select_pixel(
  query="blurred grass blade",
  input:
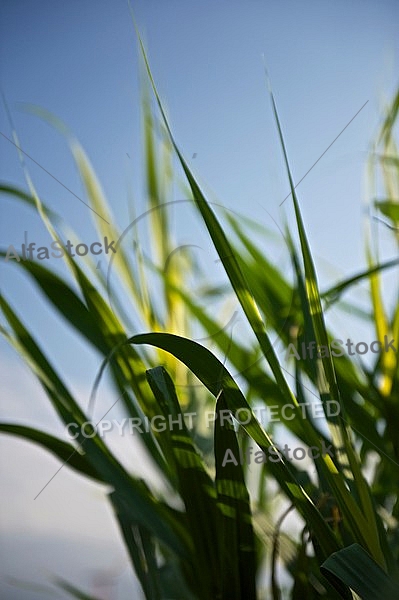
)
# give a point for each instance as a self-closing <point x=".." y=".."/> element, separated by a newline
<point x="65" y="300"/>
<point x="72" y="590"/>
<point x="62" y="450"/>
<point x="28" y="199"/>
<point x="333" y="293"/>
<point x="382" y="327"/>
<point x="354" y="568"/>
<point x="141" y="550"/>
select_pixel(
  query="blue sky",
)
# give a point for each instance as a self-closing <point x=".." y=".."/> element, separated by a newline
<point x="79" y="60"/>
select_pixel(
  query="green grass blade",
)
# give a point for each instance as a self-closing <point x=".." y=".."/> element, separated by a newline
<point x="354" y="568"/>
<point x="72" y="590"/>
<point x="333" y="293"/>
<point x="327" y="384"/>
<point x="28" y="199"/>
<point x="62" y="450"/>
<point x="141" y="550"/>
<point x="237" y="541"/>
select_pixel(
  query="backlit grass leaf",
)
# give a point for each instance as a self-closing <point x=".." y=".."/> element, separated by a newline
<point x="17" y="193"/>
<point x="389" y="208"/>
<point x="327" y="383"/>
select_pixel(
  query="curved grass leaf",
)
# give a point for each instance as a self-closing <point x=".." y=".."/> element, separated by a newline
<point x="28" y="199"/>
<point x="333" y="293"/>
<point x="62" y="450"/>
<point x="354" y="568"/>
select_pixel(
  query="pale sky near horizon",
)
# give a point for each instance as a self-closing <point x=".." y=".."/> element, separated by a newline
<point x="79" y="60"/>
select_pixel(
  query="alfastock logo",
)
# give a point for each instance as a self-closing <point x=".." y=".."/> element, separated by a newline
<point x="57" y="250"/>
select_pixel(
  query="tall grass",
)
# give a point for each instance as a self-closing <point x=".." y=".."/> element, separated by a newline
<point x="227" y="535"/>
